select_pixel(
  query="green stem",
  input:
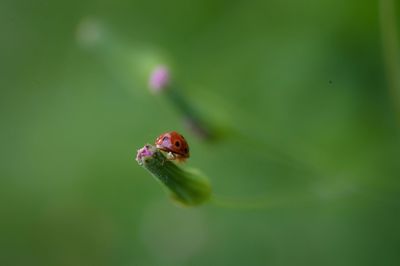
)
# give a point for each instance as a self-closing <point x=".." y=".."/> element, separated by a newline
<point x="191" y="116"/>
<point x="190" y="188"/>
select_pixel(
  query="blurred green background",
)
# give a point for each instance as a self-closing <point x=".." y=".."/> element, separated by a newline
<point x="300" y="86"/>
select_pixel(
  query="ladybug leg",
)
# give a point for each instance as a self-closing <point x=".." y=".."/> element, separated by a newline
<point x="171" y="156"/>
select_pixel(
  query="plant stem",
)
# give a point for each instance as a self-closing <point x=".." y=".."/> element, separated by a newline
<point x="191" y="117"/>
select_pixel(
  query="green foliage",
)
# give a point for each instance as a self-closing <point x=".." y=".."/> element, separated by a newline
<point x="300" y="87"/>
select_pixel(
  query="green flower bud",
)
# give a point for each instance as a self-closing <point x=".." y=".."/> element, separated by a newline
<point x="187" y="187"/>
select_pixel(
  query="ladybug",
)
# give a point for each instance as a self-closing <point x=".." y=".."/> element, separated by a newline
<point x="175" y="144"/>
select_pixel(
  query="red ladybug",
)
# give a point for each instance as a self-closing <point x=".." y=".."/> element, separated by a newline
<point x="175" y="144"/>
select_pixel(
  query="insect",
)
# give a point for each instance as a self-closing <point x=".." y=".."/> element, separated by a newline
<point x="174" y="144"/>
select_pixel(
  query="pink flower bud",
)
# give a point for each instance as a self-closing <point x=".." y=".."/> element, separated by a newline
<point x="159" y="79"/>
<point x="146" y="151"/>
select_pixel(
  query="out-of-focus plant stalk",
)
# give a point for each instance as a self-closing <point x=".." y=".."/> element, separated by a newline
<point x="131" y="66"/>
<point x="188" y="188"/>
<point x="160" y="82"/>
<point x="390" y="44"/>
<point x="191" y="118"/>
<point x="129" y="62"/>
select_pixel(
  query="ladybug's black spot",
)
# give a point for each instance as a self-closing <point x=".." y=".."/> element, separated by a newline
<point x="177" y="143"/>
<point x="186" y="150"/>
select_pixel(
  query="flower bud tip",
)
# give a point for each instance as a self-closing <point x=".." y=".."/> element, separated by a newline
<point x="159" y="79"/>
<point x="146" y="151"/>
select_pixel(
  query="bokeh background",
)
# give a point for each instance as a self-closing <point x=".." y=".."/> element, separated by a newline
<point x="310" y="150"/>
